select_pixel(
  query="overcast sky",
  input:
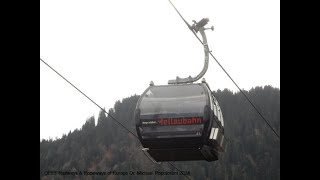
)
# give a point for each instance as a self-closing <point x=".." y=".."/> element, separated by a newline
<point x="113" y="49"/>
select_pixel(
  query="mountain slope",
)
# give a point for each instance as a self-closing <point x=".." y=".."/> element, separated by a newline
<point x="253" y="151"/>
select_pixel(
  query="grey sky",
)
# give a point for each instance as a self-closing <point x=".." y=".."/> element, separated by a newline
<point x="113" y="49"/>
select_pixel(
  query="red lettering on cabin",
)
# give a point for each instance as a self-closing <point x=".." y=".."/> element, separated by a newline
<point x="177" y="121"/>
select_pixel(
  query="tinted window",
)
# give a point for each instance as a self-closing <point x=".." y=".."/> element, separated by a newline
<point x="174" y="99"/>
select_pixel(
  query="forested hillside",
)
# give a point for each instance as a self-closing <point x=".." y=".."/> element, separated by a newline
<point x="101" y="145"/>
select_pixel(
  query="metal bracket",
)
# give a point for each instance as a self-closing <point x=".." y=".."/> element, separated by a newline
<point x="197" y="26"/>
<point x="145" y="151"/>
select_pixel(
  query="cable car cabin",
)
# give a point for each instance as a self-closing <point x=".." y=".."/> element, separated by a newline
<point x="181" y="122"/>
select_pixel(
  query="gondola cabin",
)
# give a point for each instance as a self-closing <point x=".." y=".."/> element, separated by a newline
<point x="181" y="122"/>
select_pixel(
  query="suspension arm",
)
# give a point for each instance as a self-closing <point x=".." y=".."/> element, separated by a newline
<point x="197" y="27"/>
